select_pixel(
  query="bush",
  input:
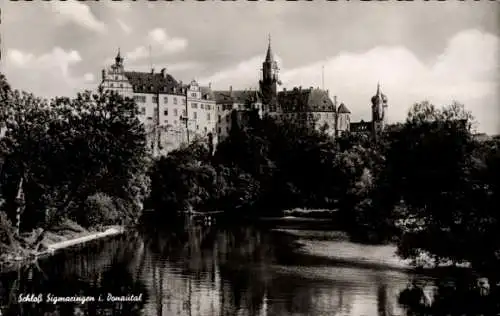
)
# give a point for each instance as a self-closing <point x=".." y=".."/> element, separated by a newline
<point x="100" y="210"/>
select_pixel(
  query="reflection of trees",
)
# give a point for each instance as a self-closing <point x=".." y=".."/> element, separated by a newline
<point x="453" y="298"/>
<point x="226" y="272"/>
<point x="100" y="268"/>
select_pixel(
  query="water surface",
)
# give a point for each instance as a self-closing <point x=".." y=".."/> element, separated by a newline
<point x="207" y="271"/>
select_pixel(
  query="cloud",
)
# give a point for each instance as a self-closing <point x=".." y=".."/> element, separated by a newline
<point x="467" y="71"/>
<point x="78" y="13"/>
<point x="89" y="77"/>
<point x="120" y="5"/>
<point x="245" y="74"/>
<point x="48" y="74"/>
<point x="160" y="43"/>
<point x="125" y="28"/>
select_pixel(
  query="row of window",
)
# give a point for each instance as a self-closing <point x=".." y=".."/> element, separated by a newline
<point x="176" y="113"/>
<point x="219" y="119"/>
<point x="202" y="106"/>
<point x="142" y="99"/>
<point x="308" y="115"/>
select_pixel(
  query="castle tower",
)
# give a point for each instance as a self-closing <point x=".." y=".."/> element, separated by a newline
<point x="269" y="82"/>
<point x="379" y="111"/>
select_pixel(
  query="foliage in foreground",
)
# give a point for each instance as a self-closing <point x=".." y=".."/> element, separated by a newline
<point x="63" y="153"/>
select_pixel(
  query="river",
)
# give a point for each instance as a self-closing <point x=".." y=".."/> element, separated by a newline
<point x="206" y="271"/>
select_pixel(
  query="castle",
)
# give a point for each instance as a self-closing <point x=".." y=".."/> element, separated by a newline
<point x="174" y="113"/>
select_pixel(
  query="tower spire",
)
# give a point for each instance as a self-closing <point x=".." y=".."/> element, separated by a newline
<point x="118" y="58"/>
<point x="378" y="88"/>
<point x="269" y="56"/>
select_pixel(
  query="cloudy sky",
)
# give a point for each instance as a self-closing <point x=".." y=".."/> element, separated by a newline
<point x="418" y="51"/>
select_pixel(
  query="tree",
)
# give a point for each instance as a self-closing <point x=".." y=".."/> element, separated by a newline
<point x="67" y="150"/>
<point x="438" y="171"/>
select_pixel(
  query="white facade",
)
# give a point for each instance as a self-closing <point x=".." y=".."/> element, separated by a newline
<point x="171" y="113"/>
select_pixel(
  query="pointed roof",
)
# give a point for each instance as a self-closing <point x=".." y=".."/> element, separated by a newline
<point x="118" y="57"/>
<point x="379" y="96"/>
<point x="269" y="55"/>
<point x="343" y="109"/>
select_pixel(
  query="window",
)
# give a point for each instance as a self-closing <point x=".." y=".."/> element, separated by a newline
<point x="208" y="116"/>
<point x="150" y="118"/>
<point x="197" y="127"/>
<point x="166" y="121"/>
<point x="201" y="106"/>
<point x="194" y="105"/>
<point x="155" y="99"/>
<point x="205" y="129"/>
<point x="219" y="130"/>
<point x="165" y="99"/>
<point x="227" y="118"/>
<point x="208" y="107"/>
<point x="195" y="116"/>
<point x="193" y="95"/>
<point x="155" y="111"/>
<point x="111" y="85"/>
<point x="175" y="112"/>
<point x="165" y="112"/>
<point x="140" y="98"/>
<point x="175" y="100"/>
<point x="121" y="85"/>
<point x="142" y="111"/>
<point x="175" y="122"/>
<point x="184" y="113"/>
<point x="219" y="119"/>
<point x="116" y="77"/>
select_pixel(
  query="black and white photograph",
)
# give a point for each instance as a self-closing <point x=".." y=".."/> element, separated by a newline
<point x="250" y="158"/>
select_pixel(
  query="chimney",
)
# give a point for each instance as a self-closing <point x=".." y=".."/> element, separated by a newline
<point x="284" y="89"/>
<point x="163" y="72"/>
<point x="209" y="85"/>
<point x="300" y="88"/>
<point x="103" y="74"/>
<point x="230" y="89"/>
<point x="152" y="70"/>
<point x="335" y="100"/>
<point x="328" y="92"/>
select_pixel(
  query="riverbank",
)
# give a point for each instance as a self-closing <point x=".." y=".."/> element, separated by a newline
<point x="335" y="247"/>
<point x="66" y="235"/>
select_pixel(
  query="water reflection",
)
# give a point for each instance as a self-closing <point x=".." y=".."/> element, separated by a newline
<point x="204" y="271"/>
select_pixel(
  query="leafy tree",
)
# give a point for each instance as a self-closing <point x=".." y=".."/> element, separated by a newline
<point x="66" y="150"/>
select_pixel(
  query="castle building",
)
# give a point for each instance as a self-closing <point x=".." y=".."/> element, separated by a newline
<point x="379" y="115"/>
<point x="172" y="113"/>
<point x="311" y="107"/>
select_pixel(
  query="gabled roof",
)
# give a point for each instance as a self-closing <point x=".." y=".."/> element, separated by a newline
<point x="305" y="100"/>
<point x="146" y="82"/>
<point x="343" y="109"/>
<point x="237" y="96"/>
<point x="359" y="127"/>
<point x="207" y="93"/>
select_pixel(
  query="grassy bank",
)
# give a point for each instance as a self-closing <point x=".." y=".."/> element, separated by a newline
<point x="65" y="235"/>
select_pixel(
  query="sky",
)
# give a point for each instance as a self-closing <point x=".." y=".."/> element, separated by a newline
<point x="436" y="51"/>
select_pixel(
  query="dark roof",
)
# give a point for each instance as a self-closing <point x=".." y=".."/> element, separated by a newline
<point x="237" y="96"/>
<point x="360" y="127"/>
<point x="305" y="100"/>
<point x="343" y="109"/>
<point x="147" y="82"/>
<point x="207" y="93"/>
